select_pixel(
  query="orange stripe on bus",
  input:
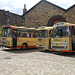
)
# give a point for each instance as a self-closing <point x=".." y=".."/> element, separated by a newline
<point x="53" y="49"/>
<point x="32" y="46"/>
<point x="16" y="47"/>
<point x="66" y="51"/>
<point x="20" y="47"/>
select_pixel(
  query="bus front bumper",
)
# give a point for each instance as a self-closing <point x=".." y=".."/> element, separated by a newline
<point x="42" y="48"/>
<point x="70" y="51"/>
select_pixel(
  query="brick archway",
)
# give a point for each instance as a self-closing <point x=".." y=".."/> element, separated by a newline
<point x="56" y="19"/>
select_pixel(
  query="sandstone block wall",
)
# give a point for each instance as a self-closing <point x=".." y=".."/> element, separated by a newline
<point x="40" y="14"/>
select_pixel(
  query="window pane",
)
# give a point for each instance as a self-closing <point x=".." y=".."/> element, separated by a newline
<point x="42" y="33"/>
<point x="6" y="32"/>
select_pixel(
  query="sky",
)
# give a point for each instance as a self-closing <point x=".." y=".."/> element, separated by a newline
<point x="16" y="6"/>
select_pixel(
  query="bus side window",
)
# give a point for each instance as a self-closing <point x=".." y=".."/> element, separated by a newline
<point x="74" y="30"/>
<point x="19" y="33"/>
<point x="27" y="35"/>
<point x="35" y="35"/>
<point x="50" y="33"/>
<point x="70" y="29"/>
<point x="31" y="35"/>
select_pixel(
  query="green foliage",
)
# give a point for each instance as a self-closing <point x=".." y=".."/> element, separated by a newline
<point x="16" y="25"/>
<point x="0" y="29"/>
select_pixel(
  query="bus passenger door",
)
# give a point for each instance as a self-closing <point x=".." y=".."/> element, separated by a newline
<point x="72" y="30"/>
<point x="50" y="35"/>
<point x="14" y="36"/>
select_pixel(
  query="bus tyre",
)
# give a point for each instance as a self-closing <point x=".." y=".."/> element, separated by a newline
<point x="24" y="46"/>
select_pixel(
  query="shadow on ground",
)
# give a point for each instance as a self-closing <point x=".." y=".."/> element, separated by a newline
<point x="16" y="51"/>
<point x="19" y="50"/>
<point x="66" y="54"/>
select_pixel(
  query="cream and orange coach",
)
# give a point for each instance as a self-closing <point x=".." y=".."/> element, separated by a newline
<point x="44" y="37"/>
<point x="18" y="37"/>
<point x="63" y="37"/>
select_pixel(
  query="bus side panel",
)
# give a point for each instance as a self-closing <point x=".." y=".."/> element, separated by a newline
<point x="70" y="43"/>
<point x="30" y="41"/>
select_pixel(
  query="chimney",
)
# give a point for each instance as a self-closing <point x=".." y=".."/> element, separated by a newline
<point x="24" y="6"/>
<point x="43" y="0"/>
<point x="24" y="10"/>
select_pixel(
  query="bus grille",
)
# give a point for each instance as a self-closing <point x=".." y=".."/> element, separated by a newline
<point x="58" y="47"/>
<point x="39" y="39"/>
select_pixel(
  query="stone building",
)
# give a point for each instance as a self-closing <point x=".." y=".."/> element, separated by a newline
<point x="12" y="18"/>
<point x="45" y="13"/>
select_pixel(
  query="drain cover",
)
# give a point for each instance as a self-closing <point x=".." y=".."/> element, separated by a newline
<point x="7" y="58"/>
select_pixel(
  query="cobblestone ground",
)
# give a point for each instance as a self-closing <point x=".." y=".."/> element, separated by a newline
<point x="34" y="62"/>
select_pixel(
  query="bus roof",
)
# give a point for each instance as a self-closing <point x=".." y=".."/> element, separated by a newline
<point x="45" y="28"/>
<point x="11" y="26"/>
<point x="63" y="24"/>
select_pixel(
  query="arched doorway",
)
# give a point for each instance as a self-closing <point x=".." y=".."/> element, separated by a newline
<point x="56" y="19"/>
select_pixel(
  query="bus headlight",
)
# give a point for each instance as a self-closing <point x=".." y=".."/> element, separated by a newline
<point x="8" y="43"/>
<point x="37" y="43"/>
<point x="64" y="45"/>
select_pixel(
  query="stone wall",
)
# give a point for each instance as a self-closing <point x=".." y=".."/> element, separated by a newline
<point x="70" y="15"/>
<point x="40" y="14"/>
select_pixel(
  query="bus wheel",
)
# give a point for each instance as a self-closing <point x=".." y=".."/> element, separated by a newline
<point x="24" y="46"/>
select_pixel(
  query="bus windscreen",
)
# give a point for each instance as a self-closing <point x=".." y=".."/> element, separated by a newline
<point x="60" y="31"/>
<point x="42" y="34"/>
<point x="6" y="32"/>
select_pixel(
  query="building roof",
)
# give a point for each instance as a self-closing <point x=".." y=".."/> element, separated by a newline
<point x="10" y="12"/>
<point x="70" y="7"/>
<point x="39" y="3"/>
<point x="49" y="3"/>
